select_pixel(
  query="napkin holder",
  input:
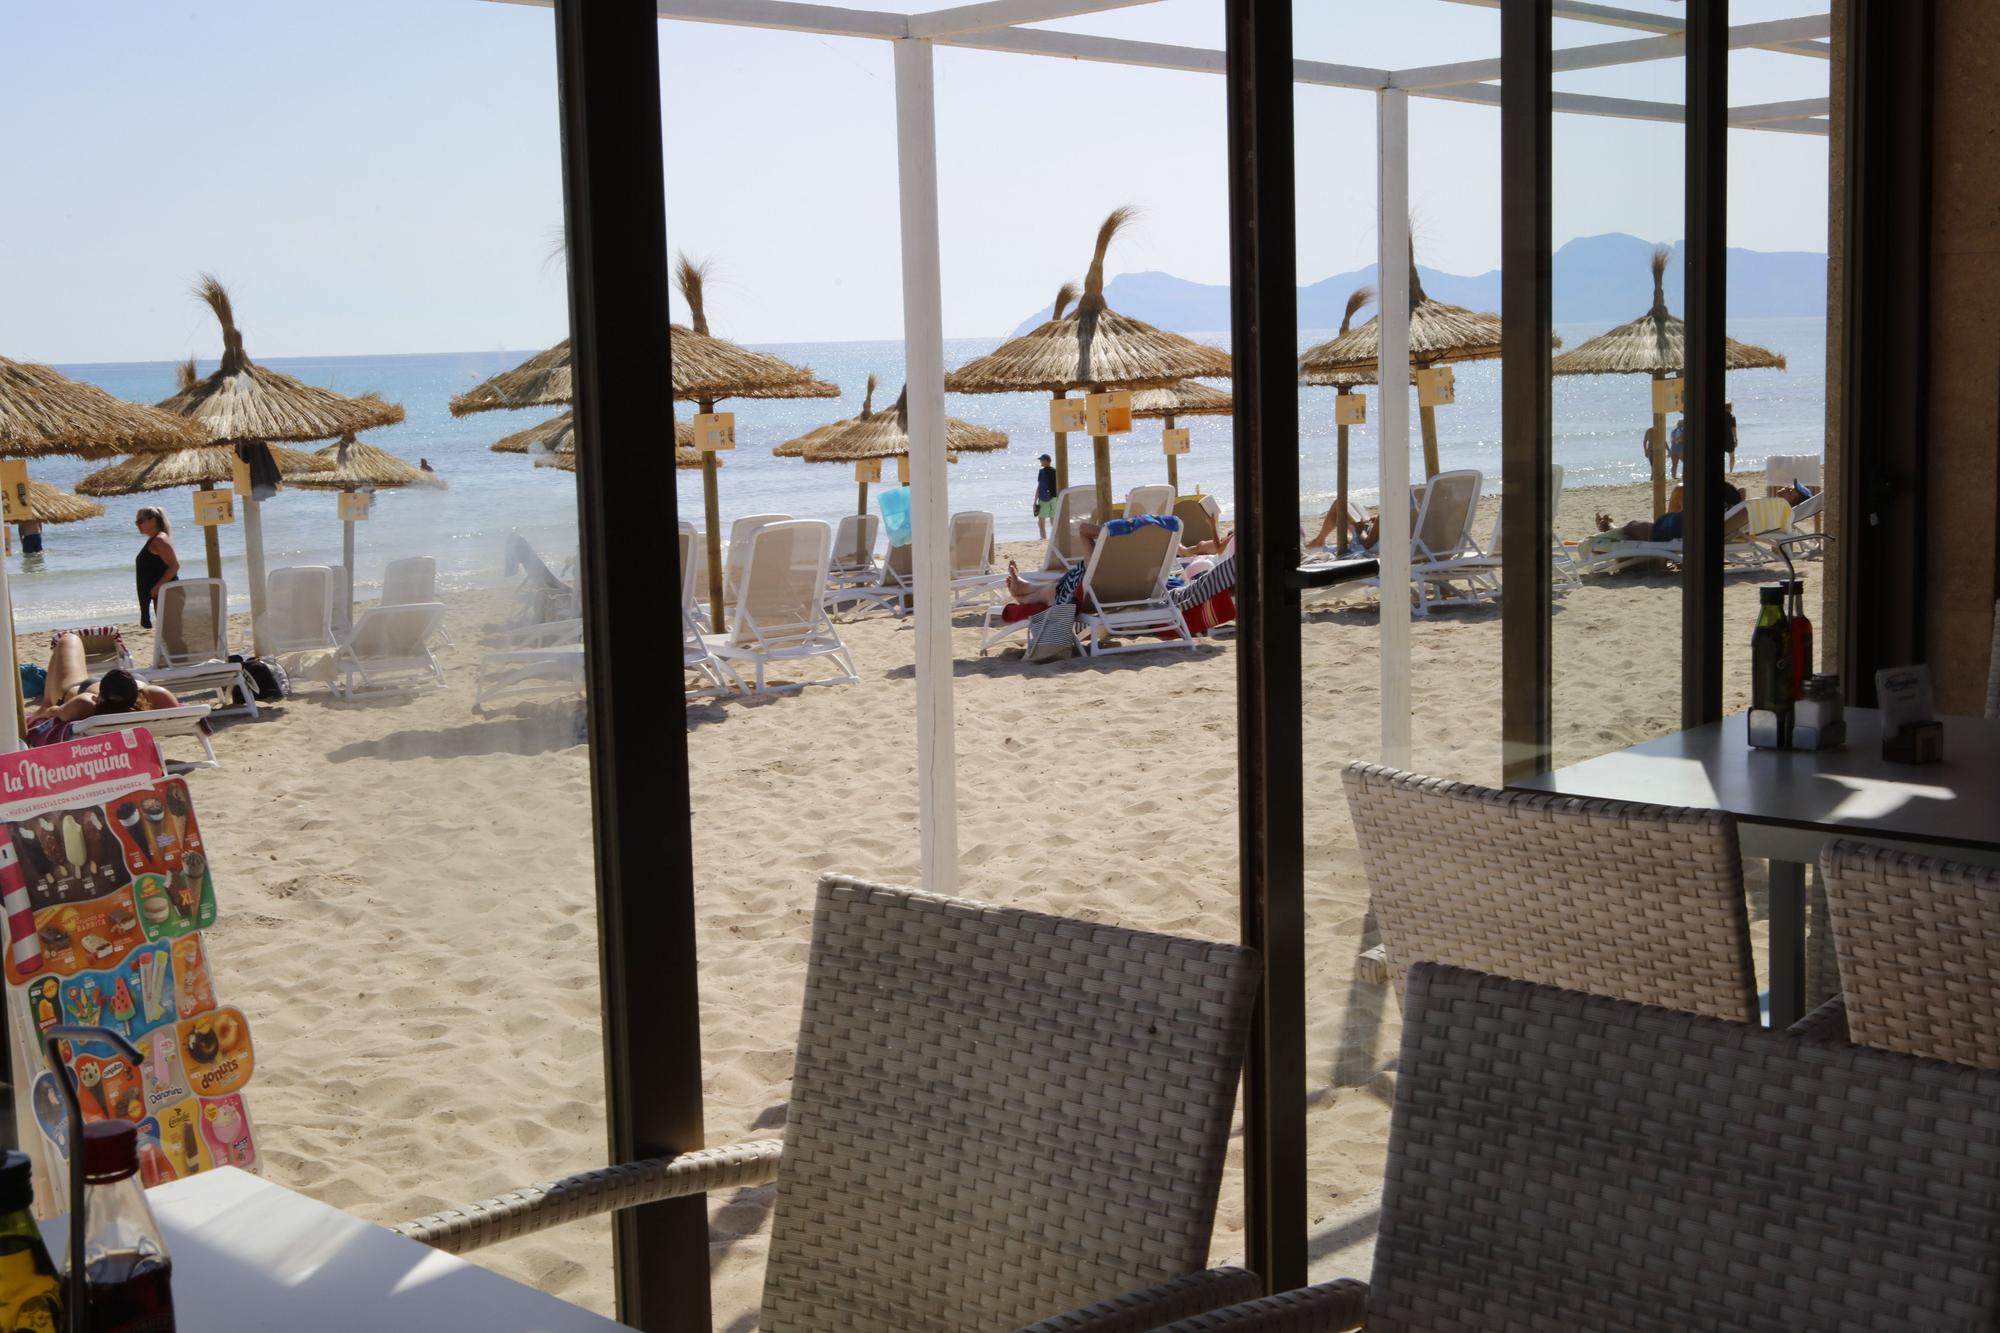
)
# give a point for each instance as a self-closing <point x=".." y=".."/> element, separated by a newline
<point x="1917" y="743"/>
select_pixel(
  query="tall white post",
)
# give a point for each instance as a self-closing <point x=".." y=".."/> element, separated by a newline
<point x="253" y="559"/>
<point x="923" y="349"/>
<point x="1392" y="279"/>
<point x="347" y="563"/>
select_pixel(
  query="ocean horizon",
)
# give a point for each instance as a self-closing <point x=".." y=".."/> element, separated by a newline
<point x="84" y="574"/>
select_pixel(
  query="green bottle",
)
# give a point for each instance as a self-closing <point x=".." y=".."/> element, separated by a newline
<point x="1771" y="659"/>
<point x="30" y="1290"/>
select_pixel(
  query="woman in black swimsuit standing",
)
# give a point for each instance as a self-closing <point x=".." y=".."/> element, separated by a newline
<point x="157" y="565"/>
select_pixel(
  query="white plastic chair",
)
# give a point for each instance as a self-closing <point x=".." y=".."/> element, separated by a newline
<point x="973" y="581"/>
<point x="298" y="610"/>
<point x="1124" y="592"/>
<point x="779" y="615"/>
<point x="389" y="649"/>
<point x="1142" y="500"/>
<point x="737" y="553"/>
<point x="191" y="647"/>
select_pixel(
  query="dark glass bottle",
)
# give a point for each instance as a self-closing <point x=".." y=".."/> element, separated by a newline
<point x="128" y="1274"/>
<point x="30" y="1290"/>
<point x="1771" y="659"/>
<point x="1801" y="631"/>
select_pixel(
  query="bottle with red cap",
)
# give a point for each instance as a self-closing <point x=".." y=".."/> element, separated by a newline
<point x="128" y="1274"/>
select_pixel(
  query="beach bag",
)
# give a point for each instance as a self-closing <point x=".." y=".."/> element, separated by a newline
<point x="895" y="506"/>
<point x="34" y="678"/>
<point x="1052" y="634"/>
<point x="266" y="677"/>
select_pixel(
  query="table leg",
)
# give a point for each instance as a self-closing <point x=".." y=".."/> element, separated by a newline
<point x="1788" y="943"/>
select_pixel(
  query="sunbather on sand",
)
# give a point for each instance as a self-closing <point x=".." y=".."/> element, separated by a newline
<point x="69" y="694"/>
<point x="1667" y="527"/>
<point x="1032" y="598"/>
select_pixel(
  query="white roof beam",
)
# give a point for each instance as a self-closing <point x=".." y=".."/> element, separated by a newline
<point x="963" y="19"/>
<point x="1604" y="54"/>
<point x="1641" y="21"/>
<point x="1152" y="55"/>
<point x="830" y="20"/>
<point x="1788" y="117"/>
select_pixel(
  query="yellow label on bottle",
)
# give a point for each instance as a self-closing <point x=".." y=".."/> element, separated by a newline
<point x="30" y="1298"/>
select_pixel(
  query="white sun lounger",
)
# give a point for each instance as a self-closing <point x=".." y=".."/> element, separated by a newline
<point x="412" y="581"/>
<point x="165" y="724"/>
<point x="697" y="659"/>
<point x="973" y="582"/>
<point x="542" y="595"/>
<point x="1741" y="545"/>
<point x="1481" y="571"/>
<point x="1142" y="500"/>
<point x="779" y="614"/>
<point x="853" y="563"/>
<point x="191" y="647"/>
<point x="1124" y="591"/>
<point x="298" y="610"/>
<point x="389" y="649"/>
<point x="737" y="552"/>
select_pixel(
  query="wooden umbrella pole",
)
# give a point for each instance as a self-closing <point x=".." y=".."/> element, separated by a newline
<point x="1340" y="482"/>
<point x="347" y="561"/>
<point x="1173" y="469"/>
<point x="1659" y="462"/>
<point x="1062" y="454"/>
<point x="861" y="528"/>
<point x="712" y="511"/>
<point x="1100" y="452"/>
<point x="211" y="543"/>
<point x="1428" y="418"/>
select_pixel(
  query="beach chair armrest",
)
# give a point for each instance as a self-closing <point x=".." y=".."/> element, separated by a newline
<point x="1157" y="1305"/>
<point x="1827" y="1022"/>
<point x="1216" y="1300"/>
<point x="606" y="1189"/>
<point x="1330" y="1307"/>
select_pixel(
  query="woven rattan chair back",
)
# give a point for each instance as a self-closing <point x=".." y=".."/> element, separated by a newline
<point x="1919" y="946"/>
<point x="1559" y="1160"/>
<point x="1993" y="671"/>
<point x="997" y="1115"/>
<point x="1640" y="902"/>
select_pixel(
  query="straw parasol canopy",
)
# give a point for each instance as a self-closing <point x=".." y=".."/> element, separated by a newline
<point x="886" y="434"/>
<point x="1094" y="347"/>
<point x="1323" y="376"/>
<point x="1183" y="399"/>
<point x="244" y="401"/>
<point x="355" y="465"/>
<point x="558" y="435"/>
<point x="688" y="457"/>
<point x="1655" y="344"/>
<point x="47" y="504"/>
<point x="796" y="448"/>
<point x="707" y="368"/>
<point x="210" y="465"/>
<point x="44" y="413"/>
<point x="542" y="379"/>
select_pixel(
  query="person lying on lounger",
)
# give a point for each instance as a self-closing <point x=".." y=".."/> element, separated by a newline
<point x="1667" y="527"/>
<point x="70" y="694"/>
<point x="1031" y="599"/>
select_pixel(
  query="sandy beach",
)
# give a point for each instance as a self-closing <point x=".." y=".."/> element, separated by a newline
<point x="407" y="904"/>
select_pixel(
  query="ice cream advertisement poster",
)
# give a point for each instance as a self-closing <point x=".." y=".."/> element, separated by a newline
<point x="106" y="889"/>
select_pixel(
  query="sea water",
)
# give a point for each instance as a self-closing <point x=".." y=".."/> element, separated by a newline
<point x="84" y="574"/>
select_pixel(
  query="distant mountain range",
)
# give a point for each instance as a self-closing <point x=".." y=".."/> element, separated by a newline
<point x="1597" y="279"/>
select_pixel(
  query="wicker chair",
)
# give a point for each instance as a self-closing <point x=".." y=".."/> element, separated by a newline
<point x="1641" y="902"/>
<point x="995" y="1115"/>
<point x="1567" y="1161"/>
<point x="1993" y="671"/>
<point x="1919" y="945"/>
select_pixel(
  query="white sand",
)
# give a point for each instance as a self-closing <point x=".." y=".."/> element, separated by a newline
<point x="408" y="905"/>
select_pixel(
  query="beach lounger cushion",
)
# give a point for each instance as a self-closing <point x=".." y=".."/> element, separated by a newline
<point x="1568" y="1161"/>
<point x="995" y="1116"/>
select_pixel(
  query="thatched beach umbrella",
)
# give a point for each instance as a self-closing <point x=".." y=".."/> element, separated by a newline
<point x="49" y="504"/>
<point x="1187" y="398"/>
<point x="354" y="465"/>
<point x="1095" y="348"/>
<point x="1655" y="344"/>
<point x="1439" y="334"/>
<point x="246" y="405"/>
<point x="801" y="446"/>
<point x="203" y="468"/>
<point x="543" y="379"/>
<point x="558" y="435"/>
<point x="565" y="459"/>
<point x="886" y="434"/>
<point x="1343" y="382"/>
<point x="707" y="369"/>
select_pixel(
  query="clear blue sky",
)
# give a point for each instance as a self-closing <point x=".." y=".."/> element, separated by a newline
<point x="384" y="175"/>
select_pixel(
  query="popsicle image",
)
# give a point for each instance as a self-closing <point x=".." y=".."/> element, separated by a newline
<point x="162" y="1064"/>
<point x="92" y="1078"/>
<point x="72" y="837"/>
<point x="128" y="815"/>
<point x="177" y="810"/>
<point x="190" y="1145"/>
<point x="227" y="1126"/>
<point x="50" y="843"/>
<point x="122" y="1008"/>
<point x="155" y="812"/>
<point x="103" y="846"/>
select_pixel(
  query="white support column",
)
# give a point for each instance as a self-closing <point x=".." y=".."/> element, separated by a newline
<point x="923" y="348"/>
<point x="253" y="561"/>
<point x="1392" y="201"/>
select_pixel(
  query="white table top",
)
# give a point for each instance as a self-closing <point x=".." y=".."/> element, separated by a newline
<point x="250" y="1255"/>
<point x="1954" y="803"/>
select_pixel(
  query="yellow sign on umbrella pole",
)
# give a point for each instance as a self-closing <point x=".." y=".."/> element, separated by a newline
<point x="214" y="508"/>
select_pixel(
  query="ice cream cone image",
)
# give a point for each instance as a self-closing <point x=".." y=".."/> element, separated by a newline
<point x="177" y="811"/>
<point x="92" y="1079"/>
<point x="128" y="815"/>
